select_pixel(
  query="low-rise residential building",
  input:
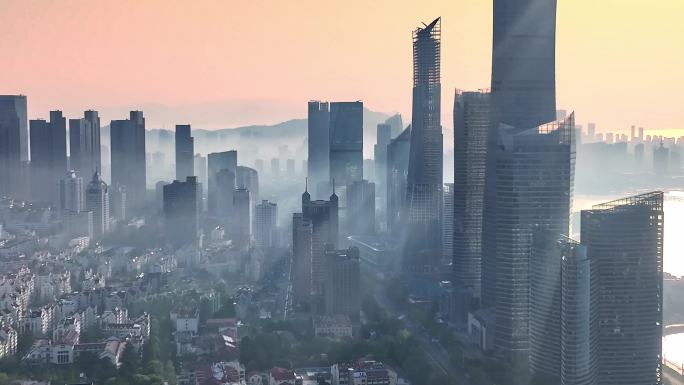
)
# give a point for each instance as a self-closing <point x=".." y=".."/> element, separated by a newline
<point x="186" y="320"/>
<point x="281" y="376"/>
<point x="337" y="326"/>
<point x="221" y="373"/>
<point x="8" y="341"/>
<point x="362" y="372"/>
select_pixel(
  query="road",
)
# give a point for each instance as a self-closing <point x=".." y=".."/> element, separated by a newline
<point x="437" y="356"/>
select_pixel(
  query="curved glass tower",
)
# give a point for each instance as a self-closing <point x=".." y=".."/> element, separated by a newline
<point x="523" y="62"/>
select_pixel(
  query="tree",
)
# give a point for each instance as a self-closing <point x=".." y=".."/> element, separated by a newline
<point x="129" y="361"/>
<point x="170" y="373"/>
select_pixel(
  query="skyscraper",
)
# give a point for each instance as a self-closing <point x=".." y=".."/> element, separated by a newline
<point x="361" y="208"/>
<point x="84" y="144"/>
<point x="624" y="240"/>
<point x="319" y="143"/>
<point x="423" y="247"/>
<point x="396" y="123"/>
<point x="200" y="168"/>
<point x="346" y="142"/>
<point x="524" y="62"/>
<point x="218" y="161"/>
<point x="448" y="224"/>
<point x="181" y="212"/>
<point x="242" y="222"/>
<point x="48" y="156"/>
<point x="248" y="178"/>
<point x="323" y="216"/>
<point x="128" y="157"/>
<point x="118" y="202"/>
<point x="71" y="193"/>
<point x="471" y="129"/>
<point x="265" y="224"/>
<point x="384" y="136"/>
<point x="532" y="175"/>
<point x="342" y="282"/>
<point x="185" y="150"/>
<point x="14" y="142"/>
<point x="223" y="193"/>
<point x="301" y="258"/>
<point x="562" y="345"/>
<point x="97" y="202"/>
<point x="577" y="342"/>
<point x="397" y="179"/>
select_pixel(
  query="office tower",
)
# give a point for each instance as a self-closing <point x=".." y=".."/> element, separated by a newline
<point x="661" y="160"/>
<point x="318" y="164"/>
<point x="128" y="158"/>
<point x="14" y="143"/>
<point x="361" y="208"/>
<point x="218" y="161"/>
<point x="200" y="168"/>
<point x="249" y="179"/>
<point x="609" y="137"/>
<point x="532" y="174"/>
<point x="632" y="135"/>
<point x="275" y="168"/>
<point x="591" y="131"/>
<point x="259" y="165"/>
<point x="523" y="62"/>
<point x="243" y="216"/>
<point x="561" y="343"/>
<point x="423" y="247"/>
<point x="97" y="202"/>
<point x="369" y="167"/>
<point x="290" y="167"/>
<point x="342" y="282"/>
<point x="301" y="258"/>
<point x="641" y="133"/>
<point x="118" y="203"/>
<point x="71" y="193"/>
<point x="471" y="132"/>
<point x="48" y="156"/>
<point x="397" y="179"/>
<point x="577" y="344"/>
<point x="396" y="123"/>
<point x="265" y="224"/>
<point x="383" y="139"/>
<point x="448" y="224"/>
<point x="624" y="240"/>
<point x="346" y="142"/>
<point x="84" y="144"/>
<point x="323" y="216"/>
<point x="185" y="150"/>
<point x="224" y="192"/>
<point x="181" y="212"/>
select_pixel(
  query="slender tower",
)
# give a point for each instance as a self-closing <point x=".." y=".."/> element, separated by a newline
<point x="423" y="248"/>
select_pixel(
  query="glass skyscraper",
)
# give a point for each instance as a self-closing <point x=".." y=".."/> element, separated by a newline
<point x="624" y="240"/>
<point x="523" y="62"/>
<point x="423" y="246"/>
<point x="471" y="129"/>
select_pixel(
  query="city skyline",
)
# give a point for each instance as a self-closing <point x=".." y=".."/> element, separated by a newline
<point x="203" y="75"/>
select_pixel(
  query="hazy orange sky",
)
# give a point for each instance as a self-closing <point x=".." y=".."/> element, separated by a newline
<point x="220" y="63"/>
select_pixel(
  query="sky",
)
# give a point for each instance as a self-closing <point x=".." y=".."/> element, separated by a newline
<point x="223" y="63"/>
